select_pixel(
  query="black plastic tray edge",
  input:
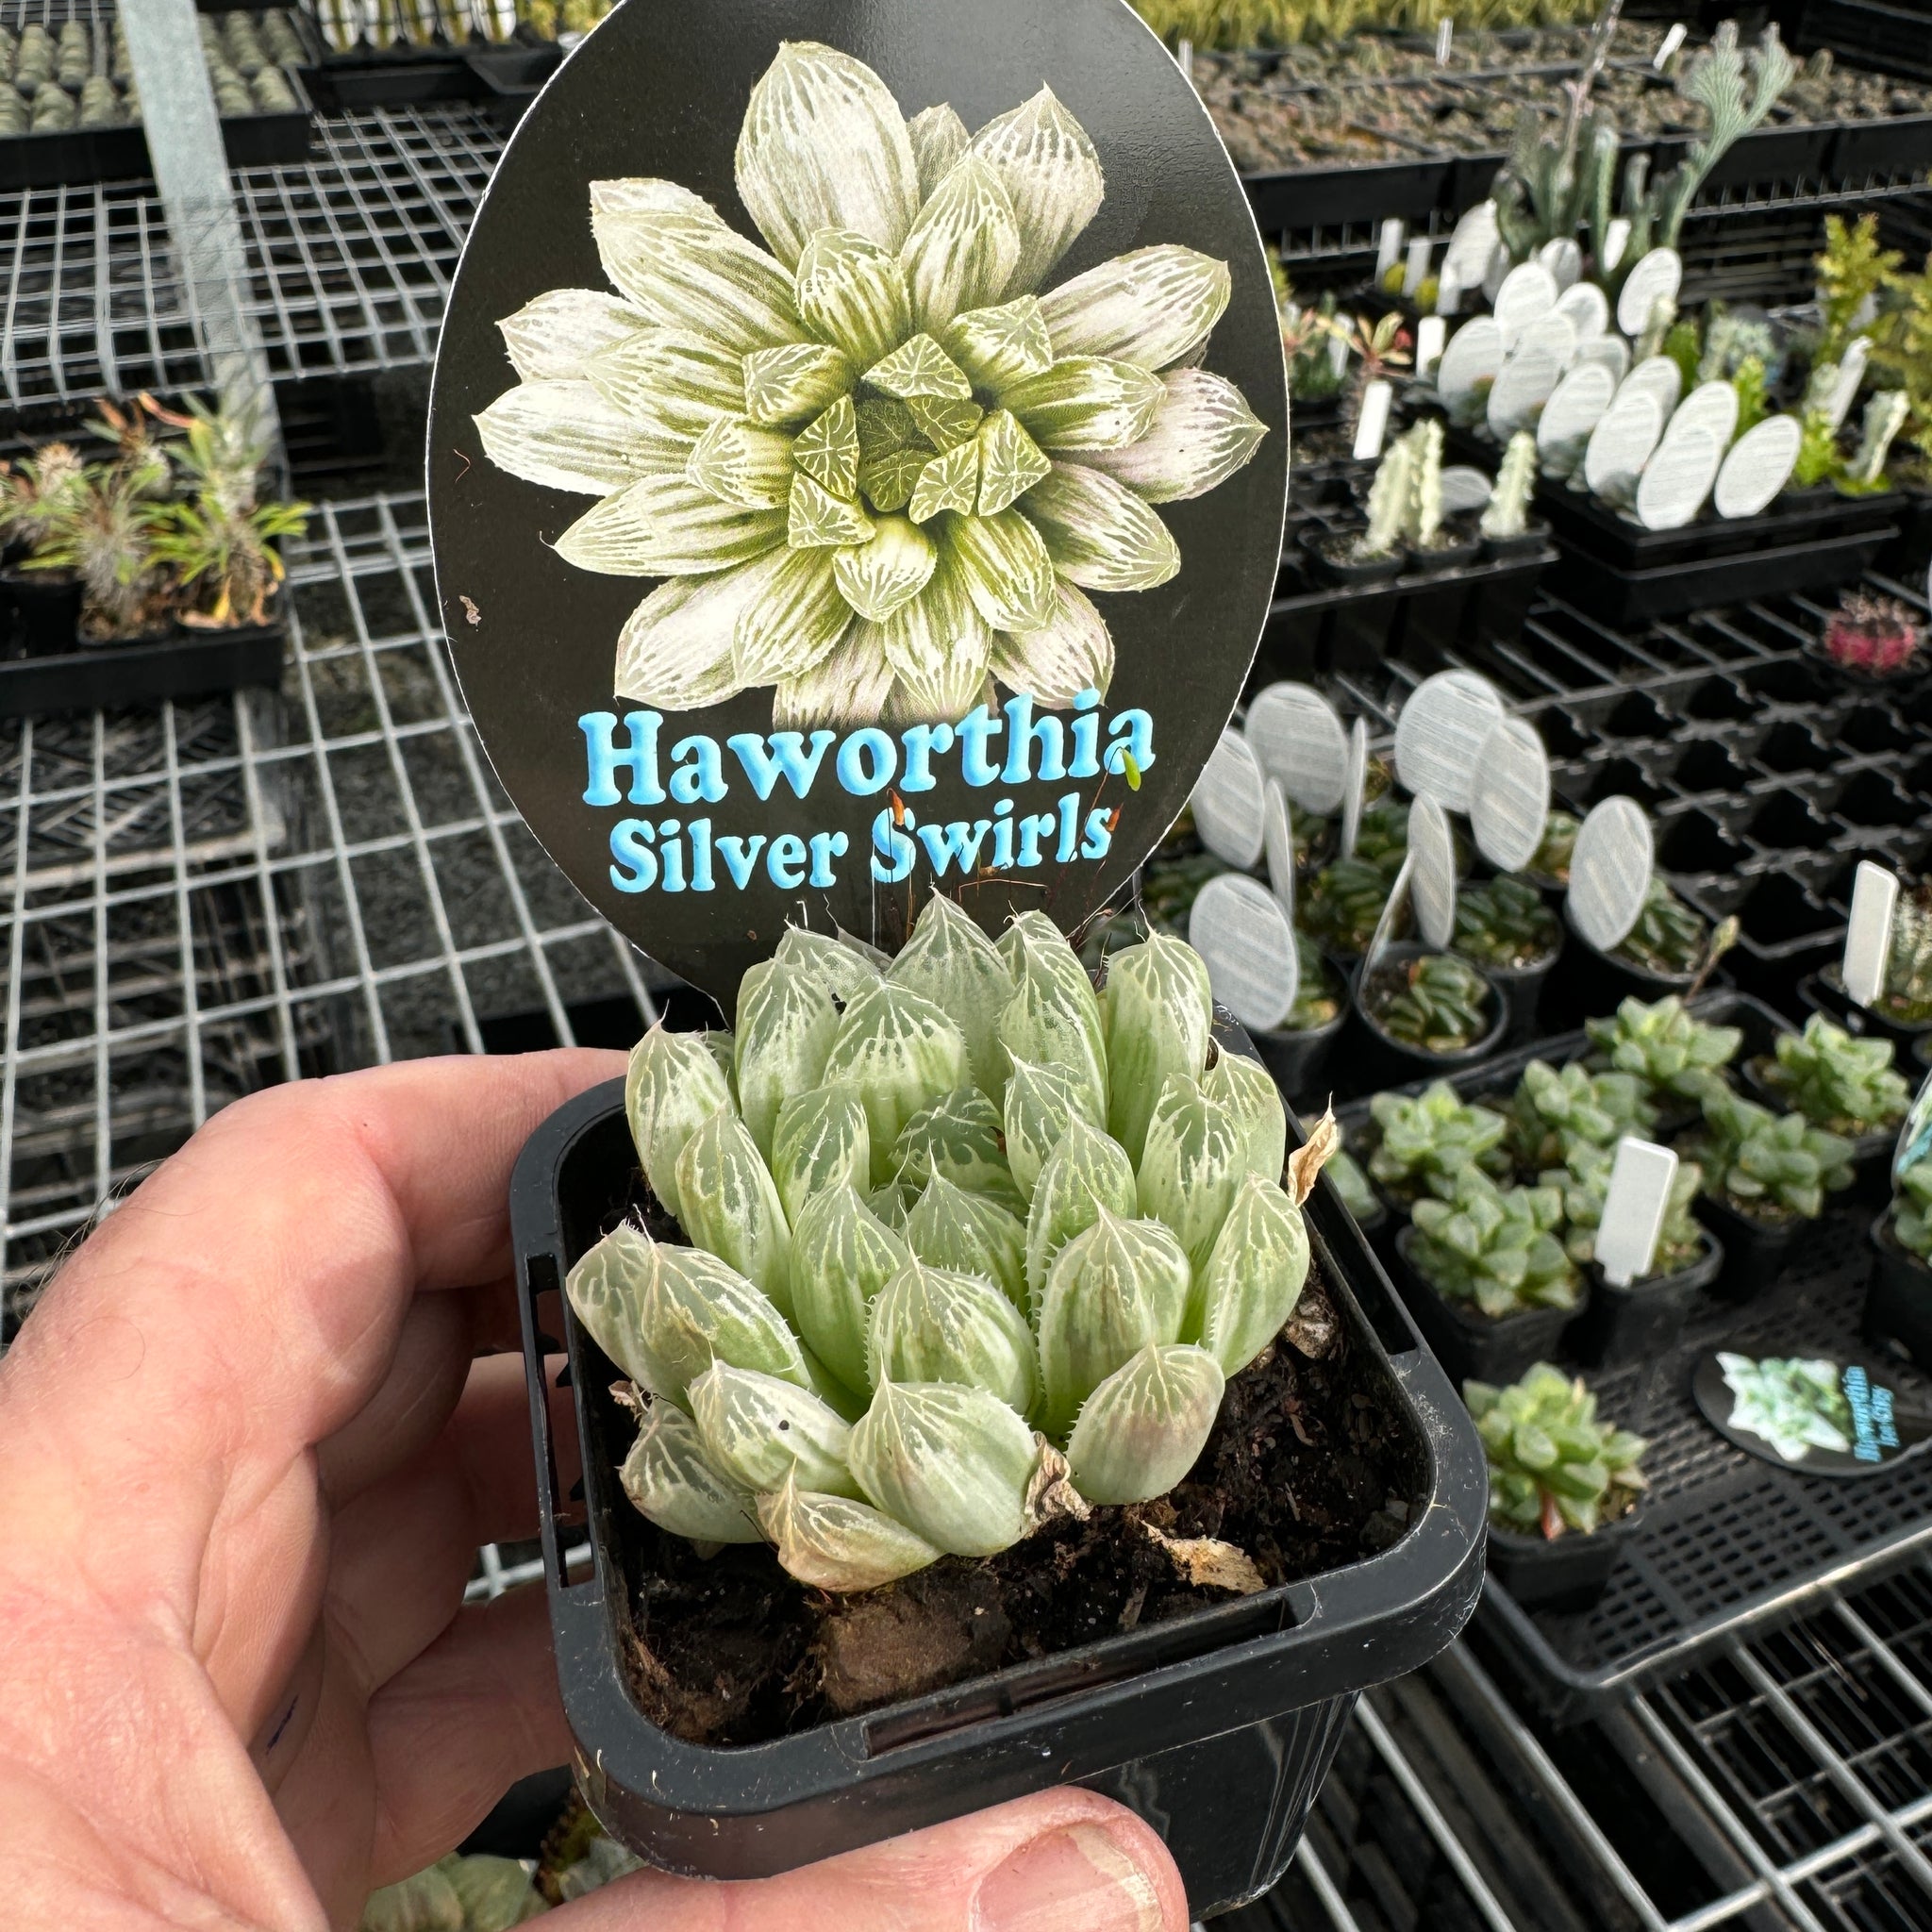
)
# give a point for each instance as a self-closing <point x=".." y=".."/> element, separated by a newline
<point x="1351" y="1628"/>
<point x="106" y="676"/>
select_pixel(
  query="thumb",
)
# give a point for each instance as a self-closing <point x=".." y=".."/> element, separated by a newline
<point x="1065" y="1861"/>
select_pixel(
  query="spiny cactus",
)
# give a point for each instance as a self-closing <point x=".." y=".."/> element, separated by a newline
<point x="1504" y="922"/>
<point x="1506" y="513"/>
<point x="1585" y="1182"/>
<point x="1872" y="634"/>
<point x="1554" y="1111"/>
<point x="933" y="1300"/>
<point x="1431" y="1138"/>
<point x="1388" y="500"/>
<point x="1664" y="1045"/>
<point x="1554" y="1467"/>
<point x="1422" y="522"/>
<point x="1495" y="1247"/>
<point x="1774" y="1167"/>
<point x="1846" y="1086"/>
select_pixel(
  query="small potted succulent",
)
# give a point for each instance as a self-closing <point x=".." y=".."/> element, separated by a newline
<point x="1507" y="527"/>
<point x="1765" y="1175"/>
<point x="1427" y="1011"/>
<point x="1504" y="924"/>
<point x="1678" y="1055"/>
<point x="1564" y="1487"/>
<point x="33" y="493"/>
<point x="1382" y="838"/>
<point x="1432" y="544"/>
<point x="1640" y="1322"/>
<point x="1374" y="553"/>
<point x="1493" y="1285"/>
<point x="1903" y="1010"/>
<point x="1424" y="1140"/>
<point x="1297" y="1050"/>
<point x="1344" y="905"/>
<point x="1357" y="1193"/>
<point x="1848" y="1086"/>
<point x="1667" y="949"/>
<point x="1549" y="868"/>
<point x="1873" y="640"/>
<point x="1898" y="1308"/>
<point x="1555" y="1110"/>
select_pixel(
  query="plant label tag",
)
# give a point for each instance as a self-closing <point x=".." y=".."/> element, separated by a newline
<point x="1464" y="488"/>
<point x="1528" y="293"/>
<point x="1445" y="41"/>
<point x="1474" y="354"/>
<point x="1448" y="294"/>
<point x="1610" y="873"/>
<point x="1497" y="272"/>
<point x="1392" y="912"/>
<point x="1509" y="809"/>
<point x="1564" y="260"/>
<point x="1338" y="353"/>
<point x="1656" y="279"/>
<point x="1470" y="246"/>
<point x="1373" y="423"/>
<point x="1868" y="934"/>
<point x="1616" y="239"/>
<point x="1851" y="373"/>
<point x="1621" y="446"/>
<point x="1759" y="466"/>
<point x="1816" y="1414"/>
<point x="1640" y="1191"/>
<point x="1279" y="839"/>
<point x="1431" y="332"/>
<point x="1712" y="406"/>
<point x="1354" y="783"/>
<point x="1669" y="45"/>
<point x="1678" y="477"/>
<point x="1915" y="1136"/>
<point x="1656" y="376"/>
<point x="1184" y="58"/>
<point x="1389" y="245"/>
<point x="1227" y="803"/>
<point x="1555" y="332"/>
<point x="1244" y="936"/>
<point x="1439" y="735"/>
<point x="1575" y="408"/>
<point x="1588" y="309"/>
<point x="1610" y="350"/>
<point x="1433" y="849"/>
<point x="1298" y="739"/>
<point x="1525" y="384"/>
<point x="1415" y="266"/>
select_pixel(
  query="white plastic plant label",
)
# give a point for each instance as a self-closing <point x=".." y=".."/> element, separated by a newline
<point x="1432" y="847"/>
<point x="1227" y="803"/>
<point x="1464" y="488"/>
<point x="1471" y="245"/>
<point x="1446" y="42"/>
<point x="1632" y="1218"/>
<point x="1448" y="292"/>
<point x="1338" y="353"/>
<point x="1431" y="333"/>
<point x="1621" y="446"/>
<point x="1439" y="735"/>
<point x="1678" y="477"/>
<point x="1712" y="406"/>
<point x="1616" y="239"/>
<point x="1389" y="245"/>
<point x="1528" y="291"/>
<point x="1610" y="873"/>
<point x="1525" y="384"/>
<point x="1392" y="912"/>
<point x="1510" y="806"/>
<point x="1669" y="45"/>
<point x="1415" y="267"/>
<point x="1354" y="784"/>
<point x="1564" y="260"/>
<point x="1656" y="376"/>
<point x="1759" y="466"/>
<point x="1300" y="742"/>
<point x="1868" y="934"/>
<point x="1242" y="934"/>
<point x="1278" y="838"/>
<point x="1610" y="350"/>
<point x="1655" y="280"/>
<point x="1372" y="424"/>
<point x="1474" y="354"/>
<point x="1851" y="373"/>
<point x="1588" y="308"/>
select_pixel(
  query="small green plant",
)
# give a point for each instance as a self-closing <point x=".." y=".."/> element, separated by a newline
<point x="1853" y="272"/>
<point x="1554" y="1110"/>
<point x="1422" y="522"/>
<point x="1352" y="1187"/>
<point x="104" y="533"/>
<point x="1316" y="368"/>
<point x="1684" y="345"/>
<point x="1730" y="340"/>
<point x="1505" y="922"/>
<point x="36" y="490"/>
<point x="1506" y="513"/>
<point x="1494" y="1247"/>
<point x="1551" y="861"/>
<point x="1382" y="838"/>
<point x="1389" y="502"/>
<point x="1748" y="379"/>
<point x="1320" y="992"/>
<point x="1585" y="1180"/>
<point x="1426" y="1140"/>
<point x="1669" y="936"/>
<point x="1901" y="349"/>
<point x="1344" y="904"/>
<point x="1911" y="1209"/>
<point x="1794" y="1404"/>
<point x="476" y="1893"/>
<point x="1907" y="995"/>
<point x="1666" y="1046"/>
<point x="1884" y="416"/>
<point x="1554" y="1467"/>
<point x="1846" y="1086"/>
<point x="1773" y="1168"/>
<point x="1819" y="459"/>
<point x="1435" y="1001"/>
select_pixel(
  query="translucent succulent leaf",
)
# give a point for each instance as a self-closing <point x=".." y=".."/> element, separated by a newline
<point x="651" y="194"/>
<point x="952" y="1464"/>
<point x="1071" y="653"/>
<point x="947" y="481"/>
<point x="757" y="1430"/>
<point x="1113" y="1289"/>
<point x="852" y="295"/>
<point x="662" y="377"/>
<point x="847" y="1404"/>
<point x="938" y="645"/>
<point x="1193" y="1157"/>
<point x="551" y="338"/>
<point x="1040" y="1101"/>
<point x="827" y="449"/>
<point x="722" y="1044"/>
<point x="1157" y="1011"/>
<point x="950" y="1228"/>
<point x="564" y="435"/>
<point x="889" y="480"/>
<point x="740" y="464"/>
<point x="1010" y="462"/>
<point x="1253" y="1276"/>
<point x="1005" y="570"/>
<point x="938" y="138"/>
<point x="945" y="421"/>
<point x="795" y="620"/>
<point x="670" y="1479"/>
<point x="496" y="1894"/>
<point x="849" y="686"/>
<point x="1202" y="433"/>
<point x="790" y="385"/>
<point x="1052" y="177"/>
<point x="823" y="145"/>
<point x="834" y="1544"/>
<point x="918" y="367"/>
<point x="426" y="1902"/>
<point x="671" y="1088"/>
<point x="893" y="1202"/>
<point x="782" y="1047"/>
<point x="1099" y="534"/>
<point x="1053" y="1017"/>
<point x="821" y="1142"/>
<point x="998" y="348"/>
<point x="1150" y="306"/>
<point x="1086" y="1173"/>
<point x="842" y="1255"/>
<point x="1146" y="1427"/>
<point x="731" y="1206"/>
<point x="950" y="960"/>
<point x="938" y="1325"/>
<point x="691" y="1310"/>
<point x="842" y="970"/>
<point x="1247" y="1089"/>
<point x="662" y="526"/>
<point x="696" y="274"/>
<point x="963" y="248"/>
<point x="887" y="570"/>
<point x="818" y="520"/>
<point x="1087" y="402"/>
<point x="903" y="1053"/>
<point x="606" y="1290"/>
<point x="958" y="1138"/>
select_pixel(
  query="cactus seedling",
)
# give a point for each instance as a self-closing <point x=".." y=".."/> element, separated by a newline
<point x="1494" y="1247"/>
<point x="1554" y="1467"/>
<point x="1849" y="1087"/>
<point x="1388" y="504"/>
<point x="1874" y="635"/>
<point x="1664" y="1045"/>
<point x="1506" y="513"/>
<point x="1422" y="524"/>
<point x="1772" y="1168"/>
<point x="1907" y="995"/>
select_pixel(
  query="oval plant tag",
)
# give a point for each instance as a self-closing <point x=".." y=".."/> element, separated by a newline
<point x="1555" y="332"/>
<point x="1610" y="873"/>
<point x="1656" y="279"/>
<point x="1588" y="309"/>
<point x="1440" y="733"/>
<point x="1475" y="355"/>
<point x="1510" y="806"/>
<point x="1656" y="376"/>
<point x="1433" y="886"/>
<point x="1226" y="803"/>
<point x="1678" y="477"/>
<point x="787" y="552"/>
<point x="1712" y="406"/>
<point x="1278" y="840"/>
<point x="1239" y="929"/>
<point x="1574" y="409"/>
<point x="1621" y="446"/>
<point x="1522" y="388"/>
<point x="1295" y="733"/>
<point x="1758" y="468"/>
<point x="1528" y="291"/>
<point x="1613" y="352"/>
<point x="1563" y="259"/>
<point x="1464" y="487"/>
<point x="1471" y="245"/>
<point x="1354" y="782"/>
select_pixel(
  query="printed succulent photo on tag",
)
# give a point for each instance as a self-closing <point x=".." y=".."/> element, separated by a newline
<point x="1814" y="1414"/>
<point x="813" y="446"/>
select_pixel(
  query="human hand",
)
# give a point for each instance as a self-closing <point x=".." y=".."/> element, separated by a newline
<point x="251" y="1438"/>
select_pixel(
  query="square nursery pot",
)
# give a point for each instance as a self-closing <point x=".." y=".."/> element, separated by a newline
<point x="1568" y="1573"/>
<point x="1643" y="1322"/>
<point x="1824" y="992"/>
<point x="1386" y="1062"/>
<point x="1898" y="1305"/>
<point x="1469" y="1346"/>
<point x="1299" y="1061"/>
<point x="1756" y="1253"/>
<point x="1217" y="1727"/>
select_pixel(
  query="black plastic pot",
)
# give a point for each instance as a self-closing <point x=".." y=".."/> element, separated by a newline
<point x="1473" y="1347"/>
<point x="1216" y="1727"/>
<point x="1535" y="537"/>
<point x="1522" y="988"/>
<point x="1898" y="1304"/>
<point x="509" y="78"/>
<point x="1351" y="191"/>
<point x="43" y="613"/>
<point x="1299" y="1060"/>
<point x="1755" y="1252"/>
<point x="1388" y="1062"/>
<point x="1643" y="1321"/>
<point x="1824" y="992"/>
<point x="1595" y="983"/>
<point x="182" y="663"/>
<point x="1348" y="570"/>
<point x="1568" y="1573"/>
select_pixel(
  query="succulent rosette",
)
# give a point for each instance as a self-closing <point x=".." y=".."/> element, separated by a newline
<point x="879" y="463"/>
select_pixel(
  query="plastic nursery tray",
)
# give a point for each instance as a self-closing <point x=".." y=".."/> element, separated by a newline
<point x="1333" y="195"/>
<point x="1726" y="1539"/>
<point x="1216" y="1727"/>
<point x="1893" y="40"/>
<point x="504" y="78"/>
<point x="119" y="153"/>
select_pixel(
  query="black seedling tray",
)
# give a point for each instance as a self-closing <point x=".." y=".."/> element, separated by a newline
<point x="185" y="663"/>
<point x="1329" y="198"/>
<point x="1216" y="1727"/>
<point x="1892" y="39"/>
<point x="509" y="78"/>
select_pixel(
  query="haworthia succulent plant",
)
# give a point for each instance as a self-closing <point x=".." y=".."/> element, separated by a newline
<point x="1054" y="1016"/>
<point x="835" y="1543"/>
<point x="1247" y="1090"/>
<point x="903" y="1053"/>
<point x="821" y="1141"/>
<point x="958" y="1138"/>
<point x="1144" y="1428"/>
<point x="1086" y="1173"/>
<point x="952" y="1463"/>
<point x="1157" y="1013"/>
<point x="781" y="1049"/>
<point x="1040" y="1102"/>
<point x="950" y="1228"/>
<point x="952" y="962"/>
<point x="842" y="1254"/>
<point x="935" y="1324"/>
<point x="1195" y="1154"/>
<point x="1253" y="1276"/>
<point x="672" y="1481"/>
<point x="731" y="1206"/>
<point x="671" y="1088"/>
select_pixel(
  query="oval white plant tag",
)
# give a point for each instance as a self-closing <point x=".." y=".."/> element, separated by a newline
<point x="1509" y="809"/>
<point x="1656" y="376"/>
<point x="1294" y="734"/>
<point x="1464" y="487"/>
<point x="1563" y="259"/>
<point x="1555" y="332"/>
<point x="1621" y="446"/>
<point x="1472" y="245"/>
<point x="1474" y="354"/>
<point x="1656" y="279"/>
<point x="1609" y="872"/>
<point x="1678" y="477"/>
<point x="1244" y="936"/>
<point x="1868" y="932"/>
<point x="1712" y="406"/>
<point x="1759" y="466"/>
<point x="1354" y="782"/>
<point x="1529" y="291"/>
<point x="1613" y="352"/>
<point x="1588" y="309"/>
<point x="1277" y="827"/>
<point x="1433" y="888"/>
<point x="1227" y="803"/>
<point x="1522" y="388"/>
<point x="1440" y="733"/>
<point x="1576" y="407"/>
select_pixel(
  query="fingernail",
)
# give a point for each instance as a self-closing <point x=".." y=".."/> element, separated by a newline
<point x="1076" y="1879"/>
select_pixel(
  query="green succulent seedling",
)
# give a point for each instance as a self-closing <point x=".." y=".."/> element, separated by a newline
<point x="1554" y="1466"/>
<point x="1664" y="1045"/>
<point x="1911" y="1209"/>
<point x="1846" y="1086"/>
<point x="1505" y="922"/>
<point x="1494" y="1247"/>
<point x="1435" y="1003"/>
<point x="1353" y="1189"/>
<point x="1429" y="1139"/>
<point x="1554" y="1110"/>
<point x="1585" y="1182"/>
<point x="1771" y="1166"/>
<point x="1382" y="838"/>
<point x="1551" y="861"/>
<point x="1344" y="903"/>
<point x="478" y="1893"/>
<point x="1669" y="936"/>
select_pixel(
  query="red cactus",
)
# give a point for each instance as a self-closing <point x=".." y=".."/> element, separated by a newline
<point x="1878" y="637"/>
